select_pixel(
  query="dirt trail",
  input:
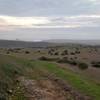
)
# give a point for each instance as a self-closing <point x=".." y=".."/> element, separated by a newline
<point x="49" y="89"/>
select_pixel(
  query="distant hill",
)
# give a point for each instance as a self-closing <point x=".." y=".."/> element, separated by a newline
<point x="85" y="42"/>
<point x="47" y="43"/>
<point x="23" y="44"/>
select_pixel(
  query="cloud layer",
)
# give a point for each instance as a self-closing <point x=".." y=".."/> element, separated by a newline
<point x="48" y="7"/>
<point x="12" y="23"/>
<point x="47" y="19"/>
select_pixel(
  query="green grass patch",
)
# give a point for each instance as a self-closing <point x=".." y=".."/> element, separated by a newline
<point x="36" y="69"/>
<point x="77" y="81"/>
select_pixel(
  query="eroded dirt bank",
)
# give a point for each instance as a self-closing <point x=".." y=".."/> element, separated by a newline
<point x="49" y="89"/>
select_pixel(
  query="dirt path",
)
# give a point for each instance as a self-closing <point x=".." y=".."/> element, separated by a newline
<point x="49" y="89"/>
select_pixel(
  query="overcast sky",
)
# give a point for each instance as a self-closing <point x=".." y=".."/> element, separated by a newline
<point x="49" y="19"/>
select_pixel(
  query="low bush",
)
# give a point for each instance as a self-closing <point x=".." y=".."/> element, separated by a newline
<point x="73" y="62"/>
<point x="48" y="59"/>
<point x="62" y="61"/>
<point x="56" y="53"/>
<point x="65" y="52"/>
<point x="96" y="64"/>
<point x="77" y="52"/>
<point x="7" y="52"/>
<point x="83" y="66"/>
<point x="27" y="52"/>
<point x="72" y="53"/>
<point x="66" y="60"/>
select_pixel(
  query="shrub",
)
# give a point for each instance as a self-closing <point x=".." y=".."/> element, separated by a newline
<point x="73" y="62"/>
<point x="96" y="64"/>
<point x="77" y="52"/>
<point x="65" y="52"/>
<point x="48" y="59"/>
<point x="42" y="58"/>
<point x="62" y="61"/>
<point x="11" y="50"/>
<point x="7" y="52"/>
<point x="75" y="57"/>
<point x="17" y="49"/>
<point x="65" y="60"/>
<point x="83" y="66"/>
<point x="27" y="52"/>
<point x="56" y="53"/>
<point x="38" y="51"/>
<point x="72" y="53"/>
<point x="50" y="52"/>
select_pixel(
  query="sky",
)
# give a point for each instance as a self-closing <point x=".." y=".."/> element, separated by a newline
<point x="36" y="20"/>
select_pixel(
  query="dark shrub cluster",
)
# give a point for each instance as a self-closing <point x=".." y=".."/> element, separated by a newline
<point x="39" y="51"/>
<point x="77" y="52"/>
<point x="43" y="58"/>
<point x="17" y="49"/>
<point x="65" y="52"/>
<point x="66" y="60"/>
<point x="7" y="52"/>
<point x="96" y="64"/>
<point x="83" y="66"/>
<point x="72" y="53"/>
<point x="56" y="53"/>
<point x="53" y="52"/>
<point x="14" y="50"/>
<point x="50" y="52"/>
<point x="27" y="52"/>
<point x="11" y="50"/>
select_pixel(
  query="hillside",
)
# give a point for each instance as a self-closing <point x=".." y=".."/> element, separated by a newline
<point x="23" y="80"/>
<point x="22" y="44"/>
<point x="47" y="43"/>
<point x="40" y="73"/>
<point x="86" y="42"/>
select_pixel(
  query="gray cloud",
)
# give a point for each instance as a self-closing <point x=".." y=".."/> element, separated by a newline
<point x="76" y="19"/>
<point x="47" y="7"/>
<point x="10" y="22"/>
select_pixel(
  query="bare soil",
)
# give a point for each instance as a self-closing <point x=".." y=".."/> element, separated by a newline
<point x="49" y="89"/>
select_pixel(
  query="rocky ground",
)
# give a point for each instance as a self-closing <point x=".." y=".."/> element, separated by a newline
<point x="49" y="88"/>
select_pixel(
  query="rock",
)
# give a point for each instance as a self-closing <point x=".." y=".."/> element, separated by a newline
<point x="9" y="91"/>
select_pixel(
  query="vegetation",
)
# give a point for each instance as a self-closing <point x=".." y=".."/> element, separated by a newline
<point x="43" y="58"/>
<point x="27" y="52"/>
<point x="79" y="82"/>
<point x="65" y="52"/>
<point x="83" y="66"/>
<point x="96" y="64"/>
<point x="47" y="64"/>
<point x="65" y="60"/>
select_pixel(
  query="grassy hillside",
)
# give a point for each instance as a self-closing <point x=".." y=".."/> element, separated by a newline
<point x="12" y="68"/>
